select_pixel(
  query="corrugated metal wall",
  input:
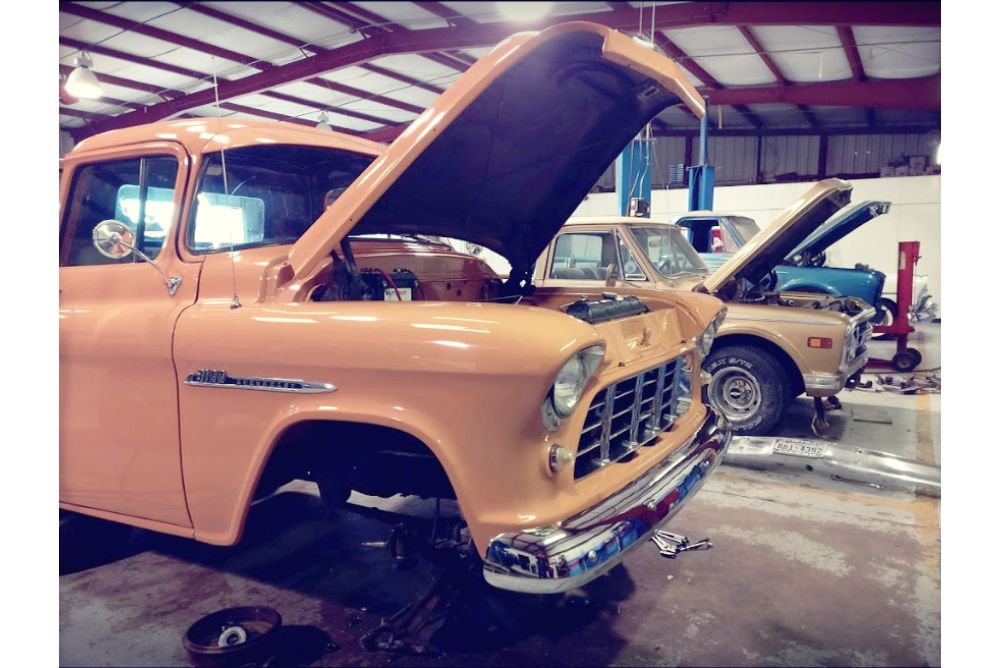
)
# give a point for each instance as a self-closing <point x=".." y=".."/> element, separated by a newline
<point x="867" y="154"/>
<point x="782" y="157"/>
<point x="788" y="155"/>
<point x="735" y="158"/>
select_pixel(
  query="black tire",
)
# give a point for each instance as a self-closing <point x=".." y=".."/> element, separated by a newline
<point x="748" y="386"/>
<point x="886" y="312"/>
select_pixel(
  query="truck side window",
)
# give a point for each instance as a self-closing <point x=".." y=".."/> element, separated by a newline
<point x="138" y="192"/>
<point x="584" y="255"/>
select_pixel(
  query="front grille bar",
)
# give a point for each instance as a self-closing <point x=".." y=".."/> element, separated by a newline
<point x="627" y="415"/>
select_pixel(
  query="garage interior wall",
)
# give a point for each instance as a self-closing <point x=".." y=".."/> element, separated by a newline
<point x="915" y="215"/>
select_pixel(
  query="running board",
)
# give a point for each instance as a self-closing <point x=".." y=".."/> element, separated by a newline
<point x="847" y="463"/>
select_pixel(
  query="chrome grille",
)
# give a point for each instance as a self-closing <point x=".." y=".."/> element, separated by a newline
<point x="629" y="414"/>
<point x="857" y="343"/>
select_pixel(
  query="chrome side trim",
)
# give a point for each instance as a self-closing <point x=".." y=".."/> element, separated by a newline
<point x="216" y="378"/>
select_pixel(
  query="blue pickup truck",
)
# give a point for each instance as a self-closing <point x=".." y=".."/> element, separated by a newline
<point x="717" y="235"/>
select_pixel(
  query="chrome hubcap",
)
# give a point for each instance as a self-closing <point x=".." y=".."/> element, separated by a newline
<point x="735" y="392"/>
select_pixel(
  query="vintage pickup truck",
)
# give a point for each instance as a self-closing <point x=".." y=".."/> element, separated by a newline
<point x="804" y="269"/>
<point x="773" y="345"/>
<point x="220" y="335"/>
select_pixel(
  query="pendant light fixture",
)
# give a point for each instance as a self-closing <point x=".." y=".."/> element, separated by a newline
<point x="324" y="122"/>
<point x="82" y="82"/>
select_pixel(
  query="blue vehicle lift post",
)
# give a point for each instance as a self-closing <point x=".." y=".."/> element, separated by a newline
<point x="701" y="178"/>
<point x="635" y="185"/>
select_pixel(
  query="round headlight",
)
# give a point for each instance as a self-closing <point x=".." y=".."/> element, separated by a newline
<point x="568" y="386"/>
<point x="573" y="377"/>
<point x="707" y="338"/>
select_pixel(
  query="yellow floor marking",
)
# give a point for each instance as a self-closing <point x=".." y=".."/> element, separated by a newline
<point x="927" y="512"/>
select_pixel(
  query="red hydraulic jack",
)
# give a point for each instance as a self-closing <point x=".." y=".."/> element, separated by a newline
<point x="905" y="359"/>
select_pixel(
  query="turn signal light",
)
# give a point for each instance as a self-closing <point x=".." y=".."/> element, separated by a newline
<point x="820" y="342"/>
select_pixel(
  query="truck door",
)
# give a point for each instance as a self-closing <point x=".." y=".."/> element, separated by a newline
<point x="119" y="444"/>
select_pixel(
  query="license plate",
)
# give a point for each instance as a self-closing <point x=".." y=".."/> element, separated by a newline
<point x="799" y="448"/>
<point x="405" y="293"/>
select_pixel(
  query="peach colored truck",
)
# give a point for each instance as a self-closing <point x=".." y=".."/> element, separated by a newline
<point x="228" y="324"/>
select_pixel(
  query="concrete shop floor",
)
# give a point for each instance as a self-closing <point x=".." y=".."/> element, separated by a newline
<point x="804" y="571"/>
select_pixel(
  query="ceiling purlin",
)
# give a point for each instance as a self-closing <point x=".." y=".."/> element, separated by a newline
<point x="95" y="15"/>
<point x="776" y="71"/>
<point x="382" y="41"/>
<point x="850" y="46"/>
<point x="675" y="52"/>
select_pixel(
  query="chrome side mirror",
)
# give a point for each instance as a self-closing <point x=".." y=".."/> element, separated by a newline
<point x="114" y="240"/>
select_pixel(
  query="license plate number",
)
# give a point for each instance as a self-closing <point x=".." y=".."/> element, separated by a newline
<point x="799" y="448"/>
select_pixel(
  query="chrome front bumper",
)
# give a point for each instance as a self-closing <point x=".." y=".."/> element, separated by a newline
<point x="569" y="554"/>
<point x="829" y="384"/>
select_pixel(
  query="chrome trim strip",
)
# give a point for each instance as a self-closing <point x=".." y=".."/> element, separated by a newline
<point x="568" y="554"/>
<point x="217" y="378"/>
<point x="823" y="381"/>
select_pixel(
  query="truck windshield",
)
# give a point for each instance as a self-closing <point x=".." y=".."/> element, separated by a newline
<point x="668" y="250"/>
<point x="744" y="228"/>
<point x="275" y="192"/>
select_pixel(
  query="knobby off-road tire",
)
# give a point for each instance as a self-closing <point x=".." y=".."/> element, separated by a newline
<point x="749" y="387"/>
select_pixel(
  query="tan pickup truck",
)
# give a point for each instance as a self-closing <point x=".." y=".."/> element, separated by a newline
<point x="772" y="346"/>
<point x="225" y="329"/>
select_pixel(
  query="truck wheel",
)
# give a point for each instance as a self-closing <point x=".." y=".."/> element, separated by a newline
<point x="748" y="386"/>
<point x="885" y="312"/>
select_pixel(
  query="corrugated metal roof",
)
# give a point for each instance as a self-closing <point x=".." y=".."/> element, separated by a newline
<point x="173" y="49"/>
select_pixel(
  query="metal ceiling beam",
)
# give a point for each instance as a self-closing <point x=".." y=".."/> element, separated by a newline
<point x="169" y="93"/>
<point x="850" y="46"/>
<point x="437" y="39"/>
<point x="366" y="95"/>
<point x="416" y="83"/>
<point x="336" y="14"/>
<point x="775" y="70"/>
<point x="194" y="74"/>
<point x="130" y="57"/>
<point x="158" y="33"/>
<point x="373" y="21"/>
<point x="447" y="61"/>
<point x="675" y="52"/>
<point x="288" y="39"/>
<point x="446" y="13"/>
<point x="922" y="93"/>
<point x="240" y="22"/>
<point x="75" y="113"/>
<point x="254" y="111"/>
<point x="165" y="93"/>
<point x="914" y="128"/>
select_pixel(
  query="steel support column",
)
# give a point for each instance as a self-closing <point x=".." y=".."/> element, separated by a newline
<point x="634" y="178"/>
<point x="701" y="179"/>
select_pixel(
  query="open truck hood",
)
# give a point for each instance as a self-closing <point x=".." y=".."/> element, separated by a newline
<point x="509" y="151"/>
<point x="768" y="248"/>
<point x="839" y="227"/>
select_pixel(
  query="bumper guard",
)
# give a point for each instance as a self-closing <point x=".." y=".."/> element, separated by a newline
<point x="554" y="559"/>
